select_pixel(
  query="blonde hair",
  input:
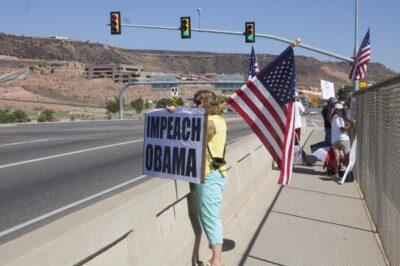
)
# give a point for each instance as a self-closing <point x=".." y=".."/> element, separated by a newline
<point x="208" y="100"/>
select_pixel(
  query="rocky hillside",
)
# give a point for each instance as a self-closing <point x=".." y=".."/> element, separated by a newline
<point x="310" y="70"/>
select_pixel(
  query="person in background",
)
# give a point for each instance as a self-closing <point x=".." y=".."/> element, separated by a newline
<point x="349" y="111"/>
<point x="327" y="115"/>
<point x="210" y="193"/>
<point x="298" y="110"/>
<point x="340" y="138"/>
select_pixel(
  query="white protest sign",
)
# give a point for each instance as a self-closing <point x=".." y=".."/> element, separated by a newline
<point x="174" y="91"/>
<point x="328" y="89"/>
<point x="174" y="144"/>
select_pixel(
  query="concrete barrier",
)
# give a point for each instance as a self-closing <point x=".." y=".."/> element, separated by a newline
<point x="147" y="224"/>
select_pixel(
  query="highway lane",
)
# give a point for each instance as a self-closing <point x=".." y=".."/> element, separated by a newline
<point x="104" y="154"/>
<point x="8" y="77"/>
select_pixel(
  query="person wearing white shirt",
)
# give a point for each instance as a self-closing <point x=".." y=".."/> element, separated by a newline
<point x="340" y="138"/>
<point x="298" y="110"/>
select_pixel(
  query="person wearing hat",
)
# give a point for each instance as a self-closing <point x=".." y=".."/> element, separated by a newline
<point x="340" y="137"/>
<point x="327" y="115"/>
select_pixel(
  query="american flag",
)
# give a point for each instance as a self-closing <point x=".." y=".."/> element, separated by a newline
<point x="266" y="103"/>
<point x="362" y="59"/>
<point x="253" y="66"/>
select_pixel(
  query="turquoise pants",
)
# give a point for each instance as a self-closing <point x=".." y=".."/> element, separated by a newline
<point x="209" y="197"/>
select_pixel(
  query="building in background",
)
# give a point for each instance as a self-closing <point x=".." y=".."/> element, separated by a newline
<point x="228" y="81"/>
<point x="120" y="73"/>
<point x="169" y="79"/>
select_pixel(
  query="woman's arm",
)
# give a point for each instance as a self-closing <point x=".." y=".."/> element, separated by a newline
<point x="210" y="128"/>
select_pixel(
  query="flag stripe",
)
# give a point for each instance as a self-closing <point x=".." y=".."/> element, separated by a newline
<point x="259" y="114"/>
<point x="276" y="106"/>
<point x="284" y="177"/>
<point x="362" y="59"/>
<point x="267" y="104"/>
<point x="255" y="128"/>
<point x="268" y="136"/>
<point x="275" y="121"/>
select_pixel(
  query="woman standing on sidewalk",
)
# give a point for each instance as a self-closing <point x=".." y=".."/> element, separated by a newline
<point x="209" y="194"/>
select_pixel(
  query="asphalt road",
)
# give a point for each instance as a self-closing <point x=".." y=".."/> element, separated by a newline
<point x="45" y="167"/>
<point x="12" y="76"/>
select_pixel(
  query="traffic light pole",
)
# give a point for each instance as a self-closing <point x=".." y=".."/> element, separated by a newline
<point x="265" y="36"/>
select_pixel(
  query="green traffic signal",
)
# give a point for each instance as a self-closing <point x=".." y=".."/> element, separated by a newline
<point x="185" y="28"/>
<point x="250" y="32"/>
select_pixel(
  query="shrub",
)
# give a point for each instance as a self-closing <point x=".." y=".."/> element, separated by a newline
<point x="344" y="92"/>
<point x="138" y="105"/>
<point x="20" y="116"/>
<point x="179" y="102"/>
<point x="146" y="104"/>
<point x="163" y="102"/>
<point x="112" y="106"/>
<point x="5" y="117"/>
<point x="46" y="116"/>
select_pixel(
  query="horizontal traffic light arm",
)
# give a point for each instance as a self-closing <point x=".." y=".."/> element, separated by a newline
<point x="259" y="35"/>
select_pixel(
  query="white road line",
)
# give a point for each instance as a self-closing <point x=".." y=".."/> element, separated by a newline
<point x="67" y="207"/>
<point x="314" y="125"/>
<point x="23" y="142"/>
<point x="68" y="153"/>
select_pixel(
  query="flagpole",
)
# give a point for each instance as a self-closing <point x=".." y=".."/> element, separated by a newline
<point x="356" y="82"/>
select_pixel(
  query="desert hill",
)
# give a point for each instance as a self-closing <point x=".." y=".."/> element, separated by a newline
<point x="309" y="70"/>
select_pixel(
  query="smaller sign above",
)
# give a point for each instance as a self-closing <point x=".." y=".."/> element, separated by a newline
<point x="174" y="91"/>
<point x="328" y="89"/>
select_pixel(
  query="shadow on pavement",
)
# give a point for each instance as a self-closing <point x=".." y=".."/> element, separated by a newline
<point x="333" y="179"/>
<point x="260" y="226"/>
<point x="325" y="193"/>
<point x="264" y="260"/>
<point x="322" y="221"/>
<point x="307" y="171"/>
<point x="228" y="245"/>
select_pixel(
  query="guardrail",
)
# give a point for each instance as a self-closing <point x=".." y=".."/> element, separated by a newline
<point x="377" y="167"/>
<point x="148" y="224"/>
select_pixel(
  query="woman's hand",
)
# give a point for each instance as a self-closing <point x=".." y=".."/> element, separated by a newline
<point x="171" y="108"/>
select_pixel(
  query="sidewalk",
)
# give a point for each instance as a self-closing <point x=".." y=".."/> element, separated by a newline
<point x="313" y="221"/>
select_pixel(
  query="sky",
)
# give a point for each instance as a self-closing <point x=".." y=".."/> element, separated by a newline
<point x="321" y="23"/>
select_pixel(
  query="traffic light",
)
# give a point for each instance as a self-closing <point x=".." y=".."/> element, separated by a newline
<point x="115" y="22"/>
<point x="250" y="28"/>
<point x="186" y="31"/>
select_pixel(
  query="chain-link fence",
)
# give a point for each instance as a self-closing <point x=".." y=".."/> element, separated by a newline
<point x="377" y="167"/>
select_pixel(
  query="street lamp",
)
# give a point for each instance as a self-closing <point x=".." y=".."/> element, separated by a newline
<point x="199" y="13"/>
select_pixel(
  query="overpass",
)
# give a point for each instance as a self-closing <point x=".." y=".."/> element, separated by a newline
<point x="313" y="221"/>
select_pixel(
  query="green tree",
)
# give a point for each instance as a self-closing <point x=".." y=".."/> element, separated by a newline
<point x="163" y="102"/>
<point x="46" y="115"/>
<point x="146" y="104"/>
<point x="20" y="116"/>
<point x="5" y="116"/>
<point x="179" y="101"/>
<point x="138" y="105"/>
<point x="344" y="92"/>
<point x="112" y="106"/>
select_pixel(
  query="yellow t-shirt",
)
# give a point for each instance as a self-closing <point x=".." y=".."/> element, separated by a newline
<point x="216" y="143"/>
